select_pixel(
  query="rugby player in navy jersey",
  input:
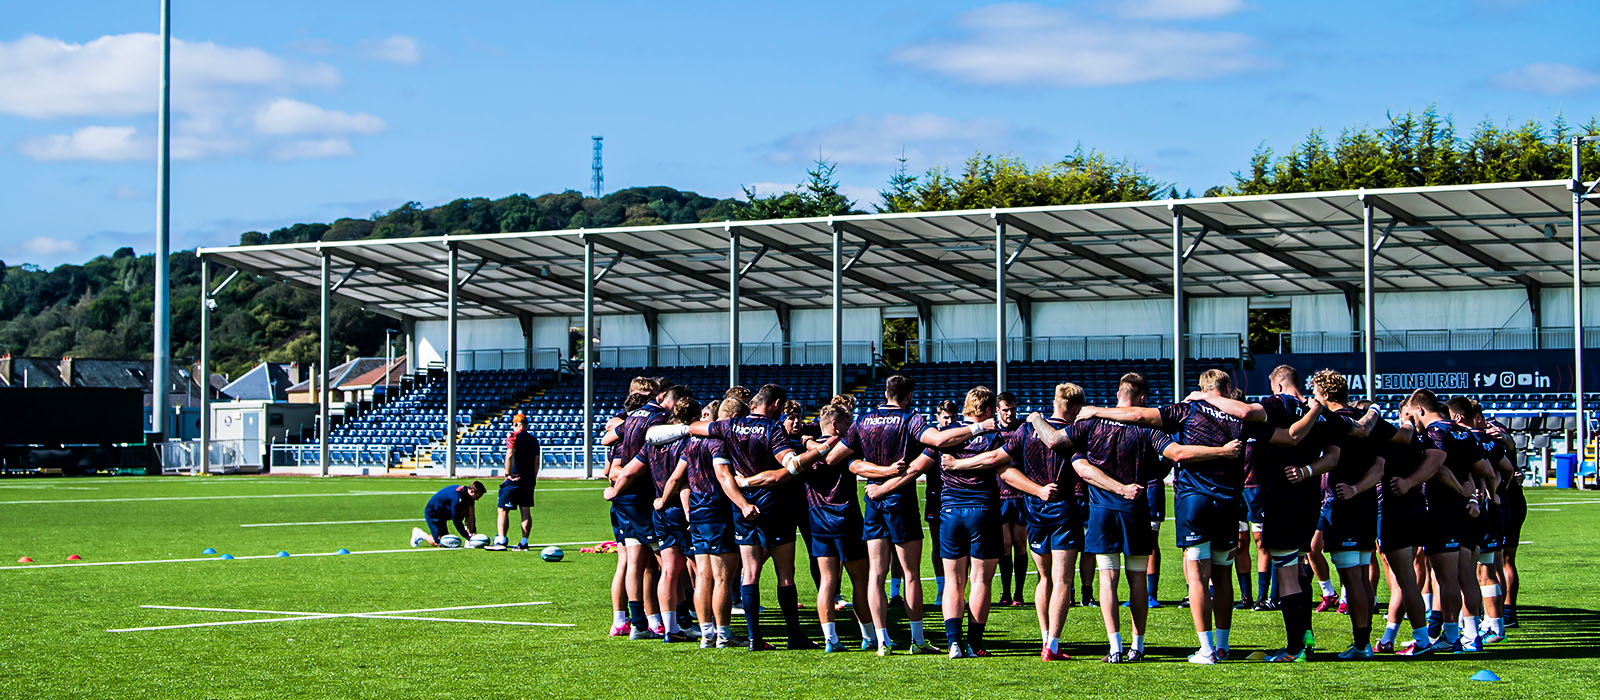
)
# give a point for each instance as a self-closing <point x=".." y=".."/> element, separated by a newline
<point x="1013" y="536"/>
<point x="949" y="414"/>
<point x="877" y="448"/>
<point x="1054" y="526"/>
<point x="1118" y="461"/>
<point x="669" y="521"/>
<point x="836" y="542"/>
<point x="522" y="476"/>
<point x="450" y="504"/>
<point x="632" y="519"/>
<point x="1468" y="412"/>
<point x="758" y="450"/>
<point x="969" y="526"/>
<point x="1402" y="522"/>
<point x="1451" y="494"/>
<point x="1206" y="495"/>
<point x="710" y="519"/>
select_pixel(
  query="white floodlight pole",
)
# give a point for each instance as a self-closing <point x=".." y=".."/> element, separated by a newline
<point x="838" y="310"/>
<point x="1177" y="305"/>
<point x="1368" y="313"/>
<point x="451" y="365"/>
<point x="161" y="357"/>
<point x="733" y="306"/>
<point x="999" y="302"/>
<point x="325" y="352"/>
<point x="1578" y="196"/>
<point x="205" y="366"/>
<point x="588" y="357"/>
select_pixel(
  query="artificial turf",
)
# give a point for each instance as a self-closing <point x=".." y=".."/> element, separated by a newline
<point x="56" y="642"/>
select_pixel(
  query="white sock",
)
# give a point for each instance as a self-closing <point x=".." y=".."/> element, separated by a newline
<point x="1342" y="595"/>
<point x="1138" y="643"/>
<point x="725" y="632"/>
<point x="1498" y="625"/>
<point x="1053" y="644"/>
<point x="1427" y="601"/>
<point x="672" y="624"/>
<point x="653" y="620"/>
<point x="1327" y="588"/>
<point x="916" y="632"/>
<point x="619" y="618"/>
<point x="1470" y="626"/>
<point x="708" y="630"/>
<point x="883" y="637"/>
<point x="866" y="629"/>
<point x="1206" y="647"/>
<point x="1389" y="632"/>
<point x="1116" y="642"/>
<point x="1222" y="638"/>
<point x="830" y="632"/>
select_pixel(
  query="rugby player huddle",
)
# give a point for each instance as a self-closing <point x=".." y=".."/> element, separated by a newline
<point x="731" y="483"/>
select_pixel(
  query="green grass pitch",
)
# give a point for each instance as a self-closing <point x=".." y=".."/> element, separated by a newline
<point x="57" y="643"/>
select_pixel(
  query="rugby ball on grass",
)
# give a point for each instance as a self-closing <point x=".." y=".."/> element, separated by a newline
<point x="450" y="542"/>
<point x="477" y="541"/>
<point x="552" y="554"/>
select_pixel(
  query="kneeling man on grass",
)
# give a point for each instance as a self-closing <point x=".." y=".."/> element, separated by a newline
<point x="449" y="504"/>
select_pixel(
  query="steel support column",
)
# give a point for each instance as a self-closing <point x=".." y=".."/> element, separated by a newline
<point x="588" y="358"/>
<point x="999" y="303"/>
<point x="1578" y="195"/>
<point x="451" y="363"/>
<point x="1177" y="306"/>
<point x="161" y="357"/>
<point x="325" y="352"/>
<point x="838" y="310"/>
<point x="1368" y="312"/>
<point x="733" y="306"/>
<point x="205" y="366"/>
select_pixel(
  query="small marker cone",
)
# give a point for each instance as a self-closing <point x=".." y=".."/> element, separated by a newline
<point x="24" y="560"/>
<point x="282" y="554"/>
<point x="226" y="556"/>
<point x="208" y="550"/>
<point x="342" y="550"/>
<point x="1485" y="675"/>
<point x="74" y="557"/>
<point x="1256" y="656"/>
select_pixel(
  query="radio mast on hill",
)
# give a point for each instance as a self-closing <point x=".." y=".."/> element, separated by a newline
<point x="598" y="182"/>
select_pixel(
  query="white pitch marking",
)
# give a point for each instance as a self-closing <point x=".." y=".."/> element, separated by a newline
<point x="330" y="522"/>
<point x="1564" y="503"/>
<point x="51" y="487"/>
<point x="217" y="498"/>
<point x="274" y="556"/>
<point x="378" y="615"/>
<point x="1549" y="509"/>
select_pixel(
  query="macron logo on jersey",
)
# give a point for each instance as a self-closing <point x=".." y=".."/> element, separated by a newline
<point x="1215" y="412"/>
<point x="880" y="420"/>
<point x="750" y="430"/>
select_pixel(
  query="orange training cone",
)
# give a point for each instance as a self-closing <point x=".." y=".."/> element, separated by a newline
<point x="74" y="557"/>
<point x="24" y="560"/>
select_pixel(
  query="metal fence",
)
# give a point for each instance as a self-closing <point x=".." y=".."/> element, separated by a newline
<point x="508" y="358"/>
<point x="227" y="456"/>
<point x="716" y="354"/>
<point x="1446" y="339"/>
<point x="471" y="460"/>
<point x="1083" y="347"/>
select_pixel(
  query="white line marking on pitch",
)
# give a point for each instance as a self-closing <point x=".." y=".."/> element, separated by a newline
<point x="273" y="556"/>
<point x="330" y="522"/>
<point x="268" y="495"/>
<point x="377" y="615"/>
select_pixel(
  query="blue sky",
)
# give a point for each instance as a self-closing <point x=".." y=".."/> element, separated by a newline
<point x="308" y="111"/>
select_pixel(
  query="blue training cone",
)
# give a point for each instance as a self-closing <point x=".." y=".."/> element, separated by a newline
<point x="1485" y="675"/>
<point x="342" y="550"/>
<point x="226" y="556"/>
<point x="282" y="554"/>
<point x="208" y="550"/>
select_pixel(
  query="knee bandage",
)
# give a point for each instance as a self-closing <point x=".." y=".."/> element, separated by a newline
<point x="1283" y="558"/>
<point x="1255" y="527"/>
<point x="1350" y="559"/>
<point x="1490" y="590"/>
<point x="1138" y="565"/>
<point x="1223" y="559"/>
<point x="1108" y="562"/>
<point x="1155" y="526"/>
<point x="1244" y="526"/>
<point x="1199" y="552"/>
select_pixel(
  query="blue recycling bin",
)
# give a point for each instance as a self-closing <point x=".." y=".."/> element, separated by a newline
<point x="1566" y="470"/>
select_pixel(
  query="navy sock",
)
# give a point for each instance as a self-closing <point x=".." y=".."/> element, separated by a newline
<point x="975" y="634"/>
<point x="1005" y="577"/>
<point x="952" y="631"/>
<point x="750" y="600"/>
<point x="1150" y="582"/>
<point x="1294" y="622"/>
<point x="789" y="602"/>
<point x="636" y="614"/>
<point x="1019" y="569"/>
<point x="1266" y="585"/>
<point x="1244" y="586"/>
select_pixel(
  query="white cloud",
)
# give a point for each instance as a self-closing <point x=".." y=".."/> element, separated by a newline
<point x="334" y="147"/>
<point x="1180" y="9"/>
<point x="124" y="193"/>
<point x="1547" y="79"/>
<point x="399" y="49"/>
<point x="44" y="245"/>
<point x="1026" y="44"/>
<point x="115" y="75"/>
<point x="880" y="140"/>
<point x="284" y="116"/>
<point x="109" y="143"/>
